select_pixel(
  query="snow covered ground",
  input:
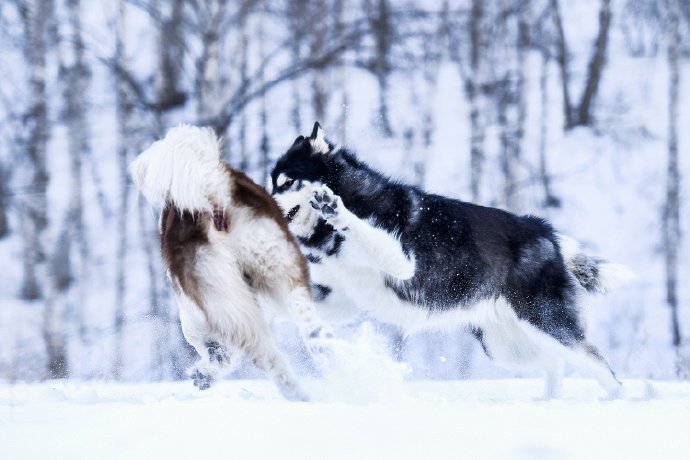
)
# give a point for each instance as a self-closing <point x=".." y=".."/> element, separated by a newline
<point x="242" y="419"/>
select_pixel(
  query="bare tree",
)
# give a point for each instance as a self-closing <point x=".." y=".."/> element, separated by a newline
<point x="671" y="214"/>
<point x="563" y="62"/>
<point x="596" y="66"/>
<point x="75" y="75"/>
<point x="511" y="89"/>
<point x="476" y="80"/>
<point x="125" y="108"/>
<point x="297" y="14"/>
<point x="582" y="115"/>
<point x="550" y="199"/>
<point x="435" y="49"/>
<point x="381" y="20"/>
<point x="4" y="200"/>
<point x="34" y="206"/>
<point x="319" y="84"/>
<point x="210" y="19"/>
<point x="38" y="282"/>
<point x="263" y="113"/>
<point x="340" y="9"/>
<point x="243" y="46"/>
<point x="171" y="52"/>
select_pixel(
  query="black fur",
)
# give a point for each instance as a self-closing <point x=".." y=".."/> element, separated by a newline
<point x="320" y="292"/>
<point x="464" y="252"/>
<point x="324" y="239"/>
<point x="478" y="334"/>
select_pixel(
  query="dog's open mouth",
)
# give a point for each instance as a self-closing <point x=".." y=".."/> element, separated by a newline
<point x="291" y="214"/>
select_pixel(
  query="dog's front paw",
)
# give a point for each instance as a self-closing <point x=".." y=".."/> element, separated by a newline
<point x="201" y="381"/>
<point x="329" y="206"/>
<point x="320" y="341"/>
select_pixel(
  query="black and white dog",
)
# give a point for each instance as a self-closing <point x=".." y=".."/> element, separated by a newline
<point x="424" y="261"/>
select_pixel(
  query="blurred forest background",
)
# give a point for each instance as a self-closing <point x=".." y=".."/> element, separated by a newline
<point x="570" y="109"/>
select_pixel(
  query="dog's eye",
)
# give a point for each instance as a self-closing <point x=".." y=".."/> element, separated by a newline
<point x="288" y="183"/>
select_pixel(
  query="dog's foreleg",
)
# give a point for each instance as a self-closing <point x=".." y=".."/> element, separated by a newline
<point x="265" y="356"/>
<point x="384" y="250"/>
<point x="314" y="331"/>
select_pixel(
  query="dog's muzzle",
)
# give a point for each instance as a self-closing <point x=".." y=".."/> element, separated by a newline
<point x="291" y="214"/>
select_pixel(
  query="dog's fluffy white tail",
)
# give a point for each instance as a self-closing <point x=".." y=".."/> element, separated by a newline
<point x="595" y="274"/>
<point x="183" y="169"/>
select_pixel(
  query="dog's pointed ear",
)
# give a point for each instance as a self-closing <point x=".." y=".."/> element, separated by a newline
<point x="318" y="139"/>
<point x="317" y="132"/>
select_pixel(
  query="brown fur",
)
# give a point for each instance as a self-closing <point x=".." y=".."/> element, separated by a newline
<point x="181" y="236"/>
<point x="183" y="233"/>
<point x="247" y="193"/>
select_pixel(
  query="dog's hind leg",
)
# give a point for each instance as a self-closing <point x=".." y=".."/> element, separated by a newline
<point x="585" y="357"/>
<point x="215" y="358"/>
<point x="553" y="373"/>
<point x="382" y="248"/>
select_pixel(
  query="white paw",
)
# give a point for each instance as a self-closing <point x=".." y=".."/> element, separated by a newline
<point x="202" y="380"/>
<point x="320" y="342"/>
<point x="329" y="206"/>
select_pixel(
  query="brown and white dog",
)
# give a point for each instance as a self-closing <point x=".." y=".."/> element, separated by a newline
<point x="229" y="255"/>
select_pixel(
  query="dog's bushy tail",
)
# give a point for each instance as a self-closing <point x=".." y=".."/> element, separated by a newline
<point x="183" y="170"/>
<point x="595" y="274"/>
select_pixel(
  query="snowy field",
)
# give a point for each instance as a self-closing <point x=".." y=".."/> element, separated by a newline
<point x="242" y="419"/>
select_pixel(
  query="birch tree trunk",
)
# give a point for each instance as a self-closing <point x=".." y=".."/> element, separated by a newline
<point x="340" y="9"/>
<point x="550" y="200"/>
<point x="263" y="115"/>
<point x="382" y="27"/>
<point x="208" y="64"/>
<point x="513" y="104"/>
<point x="563" y="62"/>
<point x="243" y="46"/>
<point x="69" y="267"/>
<point x="124" y="101"/>
<point x="596" y="66"/>
<point x="477" y="122"/>
<point x="671" y="215"/>
<point x="582" y="116"/>
<point x="4" y="201"/>
<point x="38" y="282"/>
<point x="319" y="83"/>
<point x="171" y="52"/>
<point x="298" y="25"/>
<point x="34" y="206"/>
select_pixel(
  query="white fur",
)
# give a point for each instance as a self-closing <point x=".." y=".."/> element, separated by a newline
<point x="184" y="169"/>
<point x="570" y="247"/>
<point x="611" y="275"/>
<point x="319" y="144"/>
<point x="304" y="220"/>
<point x="380" y="248"/>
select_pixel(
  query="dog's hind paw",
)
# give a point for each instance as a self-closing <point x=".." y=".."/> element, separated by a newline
<point x="217" y="352"/>
<point x="329" y="206"/>
<point x="201" y="381"/>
